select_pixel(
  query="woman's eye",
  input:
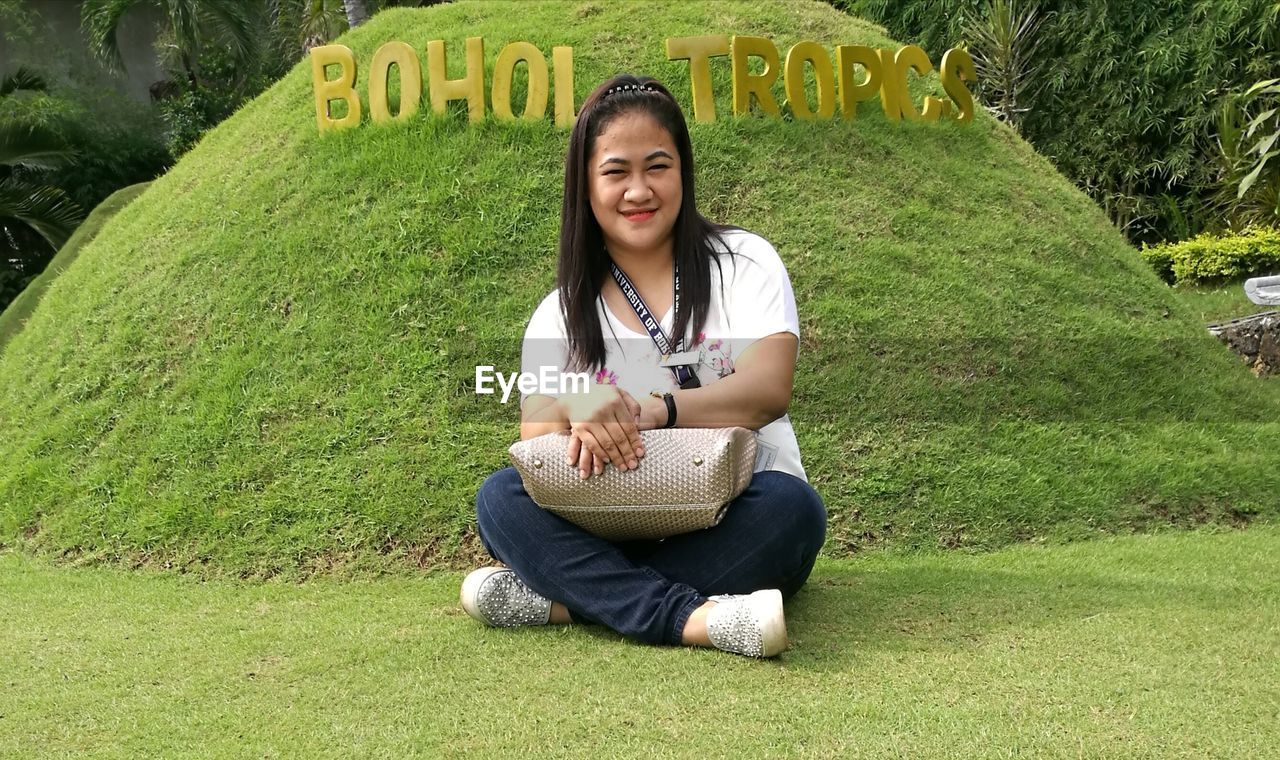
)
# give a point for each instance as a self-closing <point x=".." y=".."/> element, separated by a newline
<point x="658" y="166"/>
<point x="611" y="172"/>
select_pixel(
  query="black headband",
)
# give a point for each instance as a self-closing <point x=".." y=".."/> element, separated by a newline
<point x="630" y="88"/>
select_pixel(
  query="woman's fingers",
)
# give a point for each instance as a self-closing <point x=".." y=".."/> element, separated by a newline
<point x="633" y="415"/>
<point x="609" y="414"/>
<point x="622" y="453"/>
<point x="586" y="462"/>
<point x="604" y="443"/>
<point x="575" y="448"/>
<point x="616" y="444"/>
<point x="590" y="445"/>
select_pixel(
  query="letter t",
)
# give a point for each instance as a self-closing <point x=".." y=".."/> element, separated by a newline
<point x="699" y="51"/>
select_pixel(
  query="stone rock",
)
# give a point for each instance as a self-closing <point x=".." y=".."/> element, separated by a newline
<point x="1256" y="338"/>
<point x="1263" y="290"/>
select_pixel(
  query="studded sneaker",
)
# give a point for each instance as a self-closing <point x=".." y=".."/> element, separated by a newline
<point x="750" y="624"/>
<point x="495" y="596"/>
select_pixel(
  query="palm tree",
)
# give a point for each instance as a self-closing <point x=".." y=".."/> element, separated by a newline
<point x="35" y="219"/>
<point x="357" y="12"/>
<point x="299" y="25"/>
<point x="191" y="22"/>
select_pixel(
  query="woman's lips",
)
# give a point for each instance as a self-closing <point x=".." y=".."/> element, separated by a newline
<point x="641" y="216"/>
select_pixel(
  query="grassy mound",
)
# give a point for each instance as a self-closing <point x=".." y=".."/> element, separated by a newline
<point x="265" y="362"/>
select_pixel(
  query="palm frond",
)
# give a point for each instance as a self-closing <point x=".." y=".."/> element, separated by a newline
<point x="184" y="23"/>
<point x="32" y="146"/>
<point x="47" y="210"/>
<point x="22" y="79"/>
<point x="100" y="19"/>
<point x="234" y="23"/>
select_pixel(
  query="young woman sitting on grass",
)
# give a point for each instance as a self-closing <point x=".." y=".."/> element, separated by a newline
<point x="629" y="202"/>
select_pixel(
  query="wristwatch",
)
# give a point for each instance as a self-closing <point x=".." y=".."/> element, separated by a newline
<point x="671" y="410"/>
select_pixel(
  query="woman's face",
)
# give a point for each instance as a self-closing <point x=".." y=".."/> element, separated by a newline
<point x="635" y="185"/>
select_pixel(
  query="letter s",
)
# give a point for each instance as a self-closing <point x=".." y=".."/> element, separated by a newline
<point x="957" y="68"/>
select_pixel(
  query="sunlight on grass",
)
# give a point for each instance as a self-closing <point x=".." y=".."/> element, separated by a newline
<point x="1162" y="646"/>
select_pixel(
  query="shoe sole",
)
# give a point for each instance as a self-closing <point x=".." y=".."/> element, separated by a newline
<point x="773" y="632"/>
<point x="471" y="586"/>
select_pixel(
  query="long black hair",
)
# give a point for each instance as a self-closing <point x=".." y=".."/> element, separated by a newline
<point x="584" y="262"/>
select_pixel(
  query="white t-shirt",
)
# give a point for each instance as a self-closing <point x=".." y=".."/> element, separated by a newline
<point x="755" y="301"/>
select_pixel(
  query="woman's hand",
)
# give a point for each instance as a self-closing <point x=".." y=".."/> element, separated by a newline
<point x="603" y="429"/>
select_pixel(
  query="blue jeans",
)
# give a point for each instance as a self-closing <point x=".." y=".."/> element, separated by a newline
<point x="645" y="590"/>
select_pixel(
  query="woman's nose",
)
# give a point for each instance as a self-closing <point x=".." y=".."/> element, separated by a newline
<point x="638" y="189"/>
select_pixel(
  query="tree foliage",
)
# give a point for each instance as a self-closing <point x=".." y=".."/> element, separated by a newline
<point x="35" y="216"/>
<point x="191" y="25"/>
<point x="1130" y="92"/>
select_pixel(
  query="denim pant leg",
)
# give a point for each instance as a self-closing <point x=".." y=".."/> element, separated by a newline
<point x="587" y="574"/>
<point x="769" y="538"/>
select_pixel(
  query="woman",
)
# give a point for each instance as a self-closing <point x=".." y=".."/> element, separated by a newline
<point x="629" y="227"/>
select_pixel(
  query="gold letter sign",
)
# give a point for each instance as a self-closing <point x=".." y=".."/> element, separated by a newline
<point x="884" y="72"/>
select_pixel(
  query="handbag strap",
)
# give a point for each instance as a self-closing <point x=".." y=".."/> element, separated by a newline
<point x="684" y="374"/>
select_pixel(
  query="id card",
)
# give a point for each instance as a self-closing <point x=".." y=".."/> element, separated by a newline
<point x="679" y="359"/>
<point x="766" y="455"/>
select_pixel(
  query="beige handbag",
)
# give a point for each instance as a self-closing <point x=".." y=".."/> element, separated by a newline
<point x="685" y="481"/>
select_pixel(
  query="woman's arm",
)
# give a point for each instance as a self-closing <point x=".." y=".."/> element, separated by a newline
<point x="608" y="420"/>
<point x="540" y="415"/>
<point x="757" y="393"/>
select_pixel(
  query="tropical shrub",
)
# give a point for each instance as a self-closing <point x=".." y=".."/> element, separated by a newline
<point x="1005" y="41"/>
<point x="111" y="155"/>
<point x="111" y="140"/>
<point x="199" y="107"/>
<point x="1160" y="258"/>
<point x="1213" y="259"/>
<point x="1248" y="186"/>
<point x="1129" y="95"/>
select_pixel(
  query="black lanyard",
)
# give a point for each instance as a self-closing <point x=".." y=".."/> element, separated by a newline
<point x="684" y="375"/>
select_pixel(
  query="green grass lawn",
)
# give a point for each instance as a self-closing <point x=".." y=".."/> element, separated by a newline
<point x="1162" y="645"/>
<point x="1219" y="304"/>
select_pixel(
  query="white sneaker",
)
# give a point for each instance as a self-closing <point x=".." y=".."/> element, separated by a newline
<point x="750" y="624"/>
<point x="495" y="596"/>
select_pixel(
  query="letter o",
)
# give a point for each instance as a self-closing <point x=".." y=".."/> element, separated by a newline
<point x="504" y="70"/>
<point x="816" y="56"/>
<point x="403" y="56"/>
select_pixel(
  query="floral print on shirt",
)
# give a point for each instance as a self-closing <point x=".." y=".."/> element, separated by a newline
<point x="715" y="355"/>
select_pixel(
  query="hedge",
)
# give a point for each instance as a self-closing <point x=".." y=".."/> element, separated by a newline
<point x="1210" y="259"/>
